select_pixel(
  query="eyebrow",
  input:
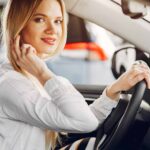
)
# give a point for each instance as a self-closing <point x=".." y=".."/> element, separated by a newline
<point x="39" y="14"/>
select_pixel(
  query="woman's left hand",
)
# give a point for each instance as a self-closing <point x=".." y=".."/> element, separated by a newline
<point x="27" y="59"/>
<point x="138" y="72"/>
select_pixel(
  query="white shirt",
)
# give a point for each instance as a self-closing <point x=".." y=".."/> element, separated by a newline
<point x="25" y="112"/>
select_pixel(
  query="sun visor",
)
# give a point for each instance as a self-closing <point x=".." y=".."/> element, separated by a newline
<point x="109" y="15"/>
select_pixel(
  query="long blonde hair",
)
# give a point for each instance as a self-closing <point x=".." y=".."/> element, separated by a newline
<point x="16" y="15"/>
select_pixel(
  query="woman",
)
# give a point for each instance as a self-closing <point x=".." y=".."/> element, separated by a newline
<point x="32" y="98"/>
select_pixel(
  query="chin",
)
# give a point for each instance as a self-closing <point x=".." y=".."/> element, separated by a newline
<point x="45" y="53"/>
<point x="45" y="50"/>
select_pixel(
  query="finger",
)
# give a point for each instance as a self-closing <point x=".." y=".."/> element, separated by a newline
<point x="136" y="74"/>
<point x="140" y="68"/>
<point x="137" y="79"/>
<point x="15" y="58"/>
<point x="28" y="46"/>
<point x="17" y="46"/>
<point x="145" y="66"/>
<point x="143" y="76"/>
<point x="147" y="78"/>
<point x="24" y="49"/>
<point x="135" y="71"/>
<point x="14" y="55"/>
<point x="146" y="72"/>
<point x="31" y="51"/>
<point x="24" y="59"/>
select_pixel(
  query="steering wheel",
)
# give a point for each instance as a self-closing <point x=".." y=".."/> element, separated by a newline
<point x="111" y="141"/>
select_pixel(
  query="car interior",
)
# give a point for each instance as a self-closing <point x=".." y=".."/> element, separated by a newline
<point x="131" y="130"/>
<point x="128" y="125"/>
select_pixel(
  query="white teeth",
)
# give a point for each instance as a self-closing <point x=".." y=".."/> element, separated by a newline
<point x="51" y="40"/>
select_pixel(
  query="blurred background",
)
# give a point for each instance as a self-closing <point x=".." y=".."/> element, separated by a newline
<point x="87" y="56"/>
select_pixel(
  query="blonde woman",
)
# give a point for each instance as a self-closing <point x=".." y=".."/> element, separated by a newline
<point x="33" y="100"/>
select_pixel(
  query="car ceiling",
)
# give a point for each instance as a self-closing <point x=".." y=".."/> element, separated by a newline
<point x="109" y="15"/>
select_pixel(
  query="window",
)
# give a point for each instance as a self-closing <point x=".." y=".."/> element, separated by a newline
<point x="88" y="53"/>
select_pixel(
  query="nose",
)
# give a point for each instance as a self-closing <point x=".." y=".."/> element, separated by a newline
<point x="51" y="28"/>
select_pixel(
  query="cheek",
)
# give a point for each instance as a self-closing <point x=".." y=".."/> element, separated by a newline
<point x="28" y="35"/>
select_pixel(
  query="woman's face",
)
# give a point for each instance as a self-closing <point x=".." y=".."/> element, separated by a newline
<point x="44" y="30"/>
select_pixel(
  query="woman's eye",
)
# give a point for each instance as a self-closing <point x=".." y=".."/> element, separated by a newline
<point x="38" y="20"/>
<point x="58" y="21"/>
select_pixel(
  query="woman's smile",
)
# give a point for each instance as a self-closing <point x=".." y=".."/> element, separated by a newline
<point x="49" y="40"/>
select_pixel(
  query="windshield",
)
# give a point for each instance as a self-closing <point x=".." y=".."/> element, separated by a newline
<point x="87" y="57"/>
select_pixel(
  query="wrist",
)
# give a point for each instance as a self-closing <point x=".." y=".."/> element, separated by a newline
<point x="45" y="76"/>
<point x="113" y="91"/>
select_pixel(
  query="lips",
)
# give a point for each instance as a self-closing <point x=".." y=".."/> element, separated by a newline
<point x="49" y="41"/>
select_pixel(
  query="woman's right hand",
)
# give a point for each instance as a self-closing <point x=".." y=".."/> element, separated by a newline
<point x="138" y="72"/>
<point x="26" y="58"/>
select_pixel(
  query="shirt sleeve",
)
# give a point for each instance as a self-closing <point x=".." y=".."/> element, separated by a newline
<point x="102" y="106"/>
<point x="64" y="110"/>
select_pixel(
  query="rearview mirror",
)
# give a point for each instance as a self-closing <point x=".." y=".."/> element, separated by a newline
<point x="135" y="8"/>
